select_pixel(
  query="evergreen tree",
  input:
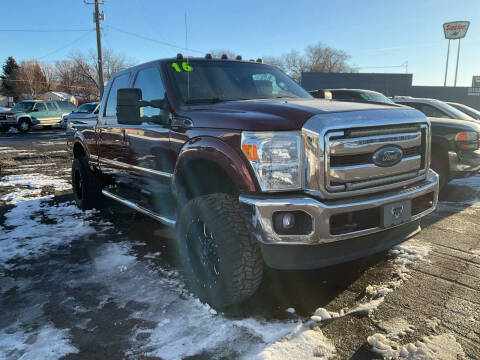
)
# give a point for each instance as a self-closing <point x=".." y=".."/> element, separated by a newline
<point x="10" y="70"/>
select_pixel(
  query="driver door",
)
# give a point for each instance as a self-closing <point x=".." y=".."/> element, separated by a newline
<point x="147" y="147"/>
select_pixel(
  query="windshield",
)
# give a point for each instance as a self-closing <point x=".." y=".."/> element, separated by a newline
<point x="85" y="108"/>
<point x="468" y="109"/>
<point x="457" y="114"/>
<point x="376" y="97"/>
<point x="23" y="106"/>
<point x="198" y="82"/>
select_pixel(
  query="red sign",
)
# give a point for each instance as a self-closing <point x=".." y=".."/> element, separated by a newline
<point x="456" y="29"/>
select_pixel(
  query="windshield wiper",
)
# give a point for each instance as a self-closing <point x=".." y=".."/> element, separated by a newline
<point x="213" y="100"/>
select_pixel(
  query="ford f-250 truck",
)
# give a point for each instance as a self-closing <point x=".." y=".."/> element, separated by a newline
<point x="249" y="168"/>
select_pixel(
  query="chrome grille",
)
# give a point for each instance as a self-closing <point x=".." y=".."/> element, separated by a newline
<point x="349" y="153"/>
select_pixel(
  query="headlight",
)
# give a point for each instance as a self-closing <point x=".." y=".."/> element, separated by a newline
<point x="275" y="157"/>
<point x="467" y="140"/>
<point x="11" y="117"/>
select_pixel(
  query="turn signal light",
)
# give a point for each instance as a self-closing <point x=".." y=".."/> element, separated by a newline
<point x="467" y="140"/>
<point x="251" y="151"/>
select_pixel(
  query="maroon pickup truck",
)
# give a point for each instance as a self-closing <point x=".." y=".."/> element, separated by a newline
<point x="250" y="169"/>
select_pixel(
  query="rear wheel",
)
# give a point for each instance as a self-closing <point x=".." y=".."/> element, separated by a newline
<point x="87" y="188"/>
<point x="222" y="261"/>
<point x="24" y="125"/>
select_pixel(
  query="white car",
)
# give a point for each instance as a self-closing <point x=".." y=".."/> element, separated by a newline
<point x="432" y="108"/>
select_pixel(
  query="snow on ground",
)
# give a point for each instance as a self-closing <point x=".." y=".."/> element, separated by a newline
<point x="186" y="327"/>
<point x="405" y="255"/>
<point x="183" y="326"/>
<point x="45" y="343"/>
<point x="472" y="182"/>
<point x="35" y="225"/>
<point x="438" y="347"/>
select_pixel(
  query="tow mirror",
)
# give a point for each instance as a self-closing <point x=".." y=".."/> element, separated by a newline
<point x="129" y="104"/>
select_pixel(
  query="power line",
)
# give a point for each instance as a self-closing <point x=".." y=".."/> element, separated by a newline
<point x="67" y="45"/>
<point x="44" y="31"/>
<point x="154" y="40"/>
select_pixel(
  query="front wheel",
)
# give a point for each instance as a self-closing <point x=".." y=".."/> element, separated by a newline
<point x="87" y="189"/>
<point x="24" y="126"/>
<point x="222" y="261"/>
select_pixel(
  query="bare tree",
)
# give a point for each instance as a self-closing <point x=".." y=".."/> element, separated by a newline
<point x="49" y="72"/>
<point x="317" y="58"/>
<point x="217" y="53"/>
<point x="86" y="68"/>
<point x="30" y="80"/>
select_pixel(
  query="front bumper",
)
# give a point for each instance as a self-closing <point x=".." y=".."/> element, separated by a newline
<point x="259" y="213"/>
<point x="464" y="163"/>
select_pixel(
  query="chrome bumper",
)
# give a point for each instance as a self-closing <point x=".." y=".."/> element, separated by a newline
<point x="464" y="162"/>
<point x="259" y="212"/>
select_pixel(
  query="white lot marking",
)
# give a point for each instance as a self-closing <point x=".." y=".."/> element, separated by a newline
<point x="406" y="255"/>
<point x="34" y="166"/>
<point x="12" y="150"/>
<point x="47" y="342"/>
<point x="438" y="347"/>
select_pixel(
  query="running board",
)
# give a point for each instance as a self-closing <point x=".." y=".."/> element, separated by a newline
<point x="132" y="205"/>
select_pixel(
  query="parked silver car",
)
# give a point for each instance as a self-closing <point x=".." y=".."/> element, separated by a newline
<point x="85" y="114"/>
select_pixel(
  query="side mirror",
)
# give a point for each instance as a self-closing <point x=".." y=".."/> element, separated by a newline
<point x="128" y="106"/>
<point x="35" y="110"/>
<point x="129" y="102"/>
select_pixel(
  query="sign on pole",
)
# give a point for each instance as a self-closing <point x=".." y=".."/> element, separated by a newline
<point x="455" y="29"/>
<point x="476" y="81"/>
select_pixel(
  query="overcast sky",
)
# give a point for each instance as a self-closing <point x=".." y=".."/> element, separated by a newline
<point x="376" y="33"/>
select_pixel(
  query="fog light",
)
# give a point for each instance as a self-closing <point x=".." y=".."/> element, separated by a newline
<point x="288" y="221"/>
<point x="295" y="222"/>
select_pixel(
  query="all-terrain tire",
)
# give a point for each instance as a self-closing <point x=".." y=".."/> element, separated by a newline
<point x="231" y="251"/>
<point x="86" y="186"/>
<point x="24" y="125"/>
<point x="440" y="165"/>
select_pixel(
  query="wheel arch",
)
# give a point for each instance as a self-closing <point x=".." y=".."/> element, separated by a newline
<point x="207" y="165"/>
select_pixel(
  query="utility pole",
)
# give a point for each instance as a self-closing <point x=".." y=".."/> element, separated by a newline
<point x="97" y="16"/>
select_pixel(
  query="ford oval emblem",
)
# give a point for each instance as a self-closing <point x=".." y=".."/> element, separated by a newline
<point x="387" y="156"/>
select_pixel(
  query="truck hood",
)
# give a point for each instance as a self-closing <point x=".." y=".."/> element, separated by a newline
<point x="281" y="114"/>
<point x="454" y="124"/>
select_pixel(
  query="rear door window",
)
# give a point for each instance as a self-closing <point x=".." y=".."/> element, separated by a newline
<point x="51" y="106"/>
<point x="40" y="107"/>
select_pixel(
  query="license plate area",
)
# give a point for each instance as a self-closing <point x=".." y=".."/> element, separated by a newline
<point x="396" y="213"/>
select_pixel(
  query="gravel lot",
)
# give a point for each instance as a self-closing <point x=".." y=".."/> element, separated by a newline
<point x="102" y="284"/>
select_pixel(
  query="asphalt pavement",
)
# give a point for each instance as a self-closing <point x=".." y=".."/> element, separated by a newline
<point x="103" y="284"/>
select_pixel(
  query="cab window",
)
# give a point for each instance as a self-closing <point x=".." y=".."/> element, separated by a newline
<point x="118" y="83"/>
<point x="150" y="82"/>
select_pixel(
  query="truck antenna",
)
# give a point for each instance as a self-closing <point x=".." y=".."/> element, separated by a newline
<point x="186" y="49"/>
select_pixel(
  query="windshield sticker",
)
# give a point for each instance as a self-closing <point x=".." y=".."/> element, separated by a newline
<point x="185" y="67"/>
